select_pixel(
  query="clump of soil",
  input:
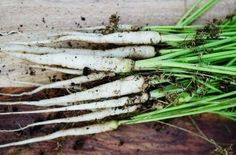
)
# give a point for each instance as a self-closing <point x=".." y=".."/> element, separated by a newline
<point x="113" y="24"/>
<point x="210" y="31"/>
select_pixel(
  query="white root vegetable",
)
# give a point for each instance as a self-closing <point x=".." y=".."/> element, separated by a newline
<point x="140" y="37"/>
<point x="112" y="103"/>
<point x="59" y="69"/>
<point x="127" y="27"/>
<point x="90" y="129"/>
<point x="97" y="115"/>
<point x="26" y="36"/>
<point x="66" y="83"/>
<point x="120" y="38"/>
<point x="79" y="61"/>
<point x="26" y="83"/>
<point x="129" y="85"/>
<point x="137" y="52"/>
<point x="7" y="33"/>
<point x="123" y="27"/>
<point x="16" y="73"/>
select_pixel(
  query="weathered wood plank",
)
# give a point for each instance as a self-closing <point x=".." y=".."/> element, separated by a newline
<point x="150" y="138"/>
<point x="62" y="14"/>
<point x="37" y="18"/>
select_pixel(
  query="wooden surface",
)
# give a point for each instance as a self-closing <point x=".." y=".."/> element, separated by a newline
<point x="35" y="18"/>
<point x="67" y="14"/>
<point x="152" y="138"/>
<point x="144" y="139"/>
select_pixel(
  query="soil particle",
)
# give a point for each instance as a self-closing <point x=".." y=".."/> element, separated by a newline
<point x="41" y="152"/>
<point x="113" y="24"/>
<point x="14" y="109"/>
<point x="69" y="44"/>
<point x="120" y="108"/>
<point x="19" y="28"/>
<point x="35" y="128"/>
<point x="86" y="71"/>
<point x="82" y="18"/>
<point x="54" y="78"/>
<point x="121" y="142"/>
<point x="31" y="71"/>
<point x="43" y="20"/>
<point x="79" y="144"/>
<point x="77" y="24"/>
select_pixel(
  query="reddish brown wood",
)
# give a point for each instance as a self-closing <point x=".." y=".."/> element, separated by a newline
<point x="149" y="138"/>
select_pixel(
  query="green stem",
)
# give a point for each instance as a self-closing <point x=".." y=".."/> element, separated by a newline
<point x="176" y="37"/>
<point x="158" y="115"/>
<point x="144" y="65"/>
<point x="209" y="85"/>
<point x="225" y="46"/>
<point x="212" y="56"/>
<point x="231" y="62"/>
<point x="188" y="13"/>
<point x="198" y="48"/>
<point x="199" y="12"/>
<point x="155" y="94"/>
<point x="220" y="59"/>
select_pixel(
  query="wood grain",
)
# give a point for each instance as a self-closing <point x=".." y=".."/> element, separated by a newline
<point x="150" y="138"/>
<point x="62" y="14"/>
<point x="36" y="18"/>
<point x="28" y="16"/>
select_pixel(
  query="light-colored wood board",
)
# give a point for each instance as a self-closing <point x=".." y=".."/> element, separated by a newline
<point x="62" y="15"/>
